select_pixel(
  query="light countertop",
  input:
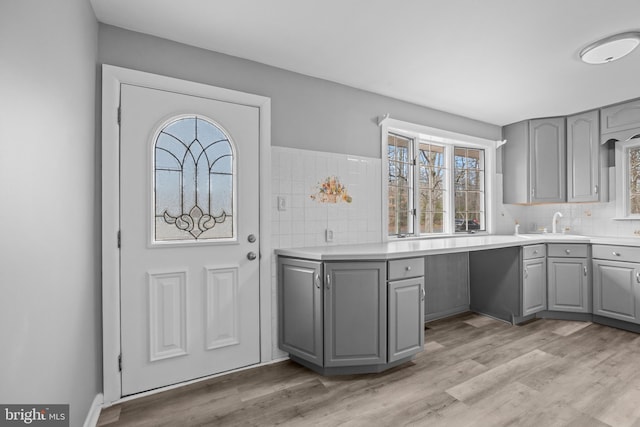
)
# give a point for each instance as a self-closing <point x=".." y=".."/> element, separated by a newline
<point x="420" y="247"/>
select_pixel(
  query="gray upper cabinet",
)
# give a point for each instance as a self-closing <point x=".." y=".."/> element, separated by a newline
<point x="583" y="158"/>
<point x="355" y="313"/>
<point x="621" y="121"/>
<point x="300" y="305"/>
<point x="547" y="150"/>
<point x="534" y="161"/>
<point x="446" y="285"/>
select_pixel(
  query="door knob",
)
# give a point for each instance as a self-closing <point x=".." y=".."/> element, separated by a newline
<point x="251" y="256"/>
<point x="251" y="238"/>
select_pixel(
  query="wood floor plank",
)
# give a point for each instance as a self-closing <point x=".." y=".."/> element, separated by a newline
<point x="475" y="371"/>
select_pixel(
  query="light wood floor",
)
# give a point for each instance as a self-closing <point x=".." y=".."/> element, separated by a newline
<point x="475" y="371"/>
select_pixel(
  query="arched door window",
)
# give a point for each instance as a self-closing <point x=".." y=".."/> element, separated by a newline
<point x="193" y="181"/>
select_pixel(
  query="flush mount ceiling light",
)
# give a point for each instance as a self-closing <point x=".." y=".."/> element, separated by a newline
<point x="610" y="48"/>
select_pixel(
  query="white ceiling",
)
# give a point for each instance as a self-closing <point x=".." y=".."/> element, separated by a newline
<point x="498" y="61"/>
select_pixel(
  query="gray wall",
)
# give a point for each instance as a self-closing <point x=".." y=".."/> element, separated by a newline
<point x="307" y="113"/>
<point x="49" y="219"/>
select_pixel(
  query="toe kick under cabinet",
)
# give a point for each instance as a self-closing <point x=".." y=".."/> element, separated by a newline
<point x="346" y="317"/>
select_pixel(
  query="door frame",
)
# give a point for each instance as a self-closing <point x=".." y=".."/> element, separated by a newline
<point x="112" y="78"/>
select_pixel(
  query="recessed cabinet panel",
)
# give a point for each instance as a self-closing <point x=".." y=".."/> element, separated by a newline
<point x="620" y="117"/>
<point x="547" y="153"/>
<point x="515" y="163"/>
<point x="355" y="314"/>
<point x="406" y="312"/>
<point x="300" y="294"/>
<point x="615" y="290"/>
<point x="583" y="158"/>
<point x="534" y="286"/>
<point x="568" y="285"/>
<point x="446" y="285"/>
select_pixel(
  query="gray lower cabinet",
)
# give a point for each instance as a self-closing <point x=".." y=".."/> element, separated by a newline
<point x="355" y="328"/>
<point x="347" y="317"/>
<point x="534" y="280"/>
<point x="446" y="285"/>
<point x="406" y="313"/>
<point x="568" y="285"/>
<point x="568" y="281"/>
<point x="616" y="290"/>
<point x="300" y="305"/>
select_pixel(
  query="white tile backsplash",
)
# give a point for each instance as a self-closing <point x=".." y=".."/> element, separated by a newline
<point x="591" y="219"/>
<point x="295" y="174"/>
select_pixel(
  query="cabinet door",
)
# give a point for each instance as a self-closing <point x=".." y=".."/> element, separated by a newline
<point x="406" y="313"/>
<point x="355" y="313"/>
<point x="300" y="328"/>
<point x="547" y="151"/>
<point x="534" y="286"/>
<point x="583" y="157"/>
<point x="515" y="163"/>
<point x="446" y="285"/>
<point x="568" y="285"/>
<point x="615" y="291"/>
<point x="620" y="117"/>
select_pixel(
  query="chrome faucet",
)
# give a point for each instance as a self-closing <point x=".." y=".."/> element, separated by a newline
<point x="553" y="222"/>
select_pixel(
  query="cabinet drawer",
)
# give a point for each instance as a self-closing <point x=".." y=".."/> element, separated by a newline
<point x="567" y="250"/>
<point x="406" y="268"/>
<point x="533" y="251"/>
<point x="616" y="253"/>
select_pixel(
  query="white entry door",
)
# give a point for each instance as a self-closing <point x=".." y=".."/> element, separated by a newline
<point x="189" y="218"/>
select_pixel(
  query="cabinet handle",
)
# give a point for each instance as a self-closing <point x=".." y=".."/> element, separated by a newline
<point x="424" y="294"/>
<point x="585" y="270"/>
<point x="526" y="273"/>
<point x="317" y="280"/>
<point x="638" y="276"/>
<point x="616" y="253"/>
<point x="568" y="251"/>
<point x="595" y="189"/>
<point x="408" y="268"/>
<point x="535" y="252"/>
<point x="328" y="281"/>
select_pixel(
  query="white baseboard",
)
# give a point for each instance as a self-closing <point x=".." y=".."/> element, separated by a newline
<point x="94" y="412"/>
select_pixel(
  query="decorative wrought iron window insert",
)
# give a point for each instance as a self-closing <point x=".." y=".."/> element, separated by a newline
<point x="194" y="181"/>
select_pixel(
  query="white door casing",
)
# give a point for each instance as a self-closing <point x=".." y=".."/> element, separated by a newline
<point x="168" y="283"/>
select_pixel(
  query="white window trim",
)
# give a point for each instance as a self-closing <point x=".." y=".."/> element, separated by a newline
<point x="389" y="125"/>
<point x="622" y="180"/>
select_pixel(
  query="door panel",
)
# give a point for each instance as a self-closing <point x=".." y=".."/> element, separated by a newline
<point x="614" y="290"/>
<point x="189" y="293"/>
<point x="568" y="285"/>
<point x="406" y="314"/>
<point x="534" y="284"/>
<point x="355" y="314"/>
<point x="300" y="294"/>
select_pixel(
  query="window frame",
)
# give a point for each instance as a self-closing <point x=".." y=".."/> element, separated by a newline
<point x="622" y="179"/>
<point x="448" y="139"/>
